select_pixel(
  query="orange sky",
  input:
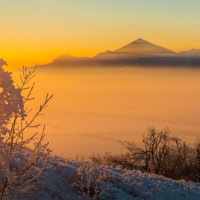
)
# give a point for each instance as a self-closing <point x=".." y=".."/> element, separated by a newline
<point x="35" y="32"/>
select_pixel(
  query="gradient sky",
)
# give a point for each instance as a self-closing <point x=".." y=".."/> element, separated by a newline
<point x="36" y="31"/>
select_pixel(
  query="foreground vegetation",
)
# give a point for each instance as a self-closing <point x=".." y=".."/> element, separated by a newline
<point x="20" y="129"/>
<point x="28" y="171"/>
<point x="160" y="153"/>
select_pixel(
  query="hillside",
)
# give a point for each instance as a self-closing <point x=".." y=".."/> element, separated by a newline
<point x="70" y="180"/>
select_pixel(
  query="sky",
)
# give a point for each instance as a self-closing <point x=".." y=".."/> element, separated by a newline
<point x="37" y="31"/>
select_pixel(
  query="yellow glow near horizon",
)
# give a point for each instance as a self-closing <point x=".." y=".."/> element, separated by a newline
<point x="17" y="58"/>
<point x="35" y="32"/>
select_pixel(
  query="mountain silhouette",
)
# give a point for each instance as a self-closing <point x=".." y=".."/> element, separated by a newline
<point x="138" y="52"/>
<point x="139" y="47"/>
<point x="190" y="53"/>
<point x="143" y="47"/>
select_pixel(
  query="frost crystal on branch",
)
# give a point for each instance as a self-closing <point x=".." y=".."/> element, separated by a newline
<point x="11" y="100"/>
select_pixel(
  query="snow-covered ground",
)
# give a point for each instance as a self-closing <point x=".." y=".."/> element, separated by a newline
<point x="64" y="181"/>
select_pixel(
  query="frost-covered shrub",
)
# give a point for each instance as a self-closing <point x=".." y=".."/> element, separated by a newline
<point x="91" y="180"/>
<point x="11" y="100"/>
<point x="19" y="165"/>
<point x="118" y="161"/>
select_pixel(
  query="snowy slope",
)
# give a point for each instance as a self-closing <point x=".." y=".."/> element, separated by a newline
<point x="58" y="183"/>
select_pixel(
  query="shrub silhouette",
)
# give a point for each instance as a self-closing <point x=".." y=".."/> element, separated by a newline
<point x="161" y="154"/>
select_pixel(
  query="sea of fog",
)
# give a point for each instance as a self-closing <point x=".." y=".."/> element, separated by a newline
<point x="95" y="108"/>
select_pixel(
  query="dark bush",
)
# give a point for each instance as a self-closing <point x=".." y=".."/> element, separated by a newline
<point x="161" y="154"/>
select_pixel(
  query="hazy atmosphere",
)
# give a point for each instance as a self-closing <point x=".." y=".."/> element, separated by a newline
<point x="94" y="109"/>
<point x="37" y="31"/>
<point x="99" y="100"/>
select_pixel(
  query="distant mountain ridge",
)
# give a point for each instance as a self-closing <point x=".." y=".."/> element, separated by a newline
<point x="191" y="52"/>
<point x="138" y="52"/>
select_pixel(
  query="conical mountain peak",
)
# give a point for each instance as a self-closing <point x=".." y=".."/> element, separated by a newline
<point x="143" y="47"/>
<point x="140" y="40"/>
